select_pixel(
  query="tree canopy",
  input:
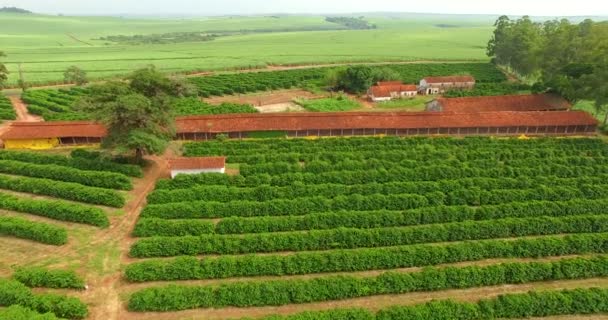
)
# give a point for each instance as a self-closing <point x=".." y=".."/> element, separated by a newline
<point x="570" y="59"/>
<point x="3" y="71"/>
<point x="357" y="79"/>
<point x="75" y="75"/>
<point x="138" y="112"/>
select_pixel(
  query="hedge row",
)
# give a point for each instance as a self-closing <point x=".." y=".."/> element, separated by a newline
<point x="34" y="277"/>
<point x="267" y="192"/>
<point x="110" y="180"/>
<point x="358" y="202"/>
<point x="35" y="231"/>
<point x="56" y="209"/>
<point x="300" y="206"/>
<point x="16" y="293"/>
<point x="16" y="312"/>
<point x="507" y="306"/>
<point x="63" y="190"/>
<point x="75" y="162"/>
<point x="356" y="238"/>
<point x="148" y="227"/>
<point x="380" y="176"/>
<point x="191" y="268"/>
<point x="385" y="218"/>
<point x="296" y="291"/>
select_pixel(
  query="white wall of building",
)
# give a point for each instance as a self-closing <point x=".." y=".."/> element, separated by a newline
<point x="174" y="173"/>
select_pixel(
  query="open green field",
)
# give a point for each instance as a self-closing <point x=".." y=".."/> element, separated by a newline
<point x="46" y="45"/>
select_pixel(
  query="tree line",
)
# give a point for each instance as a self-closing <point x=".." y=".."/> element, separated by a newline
<point x="562" y="57"/>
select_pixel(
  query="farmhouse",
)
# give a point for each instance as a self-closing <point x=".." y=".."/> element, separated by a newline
<point x="197" y="165"/>
<point x="47" y="135"/>
<point x="437" y="85"/>
<point x="388" y="90"/>
<point x="527" y="102"/>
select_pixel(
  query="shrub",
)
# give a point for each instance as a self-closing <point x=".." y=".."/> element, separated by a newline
<point x="35" y="231"/>
<point x="44" y="278"/>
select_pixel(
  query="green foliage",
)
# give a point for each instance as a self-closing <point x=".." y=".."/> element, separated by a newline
<point x="159" y="227"/>
<point x="100" y="179"/>
<point x="35" y="231"/>
<point x="80" y="159"/>
<point x="3" y="71"/>
<point x="344" y="238"/>
<point x="16" y="312"/>
<point x="55" y="105"/>
<point x="164" y="38"/>
<point x="351" y="22"/>
<point x="340" y="103"/>
<point x="271" y="293"/>
<point x="7" y="112"/>
<point x="73" y="74"/>
<point x="490" y="89"/>
<point x="13" y="293"/>
<point x="362" y="259"/>
<point x="63" y="190"/>
<point x="356" y="79"/>
<point x="194" y="106"/>
<point x="34" y="277"/>
<point x="55" y="209"/>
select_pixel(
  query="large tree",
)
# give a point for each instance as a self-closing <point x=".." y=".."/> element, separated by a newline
<point x="75" y="75"/>
<point x="3" y="71"/>
<point x="138" y="112"/>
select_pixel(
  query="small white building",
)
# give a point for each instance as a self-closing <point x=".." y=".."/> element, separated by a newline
<point x="197" y="165"/>
<point x="437" y="85"/>
<point x="389" y="90"/>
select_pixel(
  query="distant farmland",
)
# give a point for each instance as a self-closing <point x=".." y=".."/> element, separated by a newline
<point x="45" y="46"/>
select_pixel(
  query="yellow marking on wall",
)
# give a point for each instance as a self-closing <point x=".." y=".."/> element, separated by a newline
<point x="33" y="144"/>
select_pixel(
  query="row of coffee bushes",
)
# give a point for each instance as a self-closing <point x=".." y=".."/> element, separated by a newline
<point x="192" y="268"/>
<point x="34" y="277"/>
<point x="346" y="238"/>
<point x="358" y="202"/>
<point x="7" y="112"/>
<point x="55" y="209"/>
<point x="330" y="288"/>
<point x="55" y="105"/>
<point x="583" y="301"/>
<point x="14" y="293"/>
<point x="266" y="192"/>
<point x="148" y="227"/>
<point x="100" y="179"/>
<point x="63" y="190"/>
<point x="35" y="231"/>
<point x="76" y="161"/>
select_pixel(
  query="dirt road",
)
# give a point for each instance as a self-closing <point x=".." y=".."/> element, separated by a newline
<point x="21" y="110"/>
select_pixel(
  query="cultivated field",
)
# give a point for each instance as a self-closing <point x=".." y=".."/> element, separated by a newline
<point x="45" y="46"/>
<point x="310" y="225"/>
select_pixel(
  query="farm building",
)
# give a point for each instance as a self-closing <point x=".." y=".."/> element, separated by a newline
<point x="437" y="85"/>
<point x="197" y="165"/>
<point x="389" y="123"/>
<point x="47" y="135"/>
<point x="528" y="102"/>
<point x="388" y="90"/>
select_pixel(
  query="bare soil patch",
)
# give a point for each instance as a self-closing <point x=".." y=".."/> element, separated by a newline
<point x="265" y="98"/>
<point x="22" y="112"/>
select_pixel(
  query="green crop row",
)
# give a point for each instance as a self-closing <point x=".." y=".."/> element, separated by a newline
<point x="191" y="268"/>
<point x="74" y="162"/>
<point x="15" y="293"/>
<point x="64" y="190"/>
<point x="35" y="231"/>
<point x="358" y="202"/>
<point x="507" y="306"/>
<point x="148" y="227"/>
<point x="54" y="105"/>
<point x="346" y="238"/>
<point x="330" y="288"/>
<point x="44" y="278"/>
<point x="55" y="209"/>
<point x="16" y="312"/>
<point x="7" y="112"/>
<point x="223" y="193"/>
<point x="194" y="106"/>
<point x="100" y="179"/>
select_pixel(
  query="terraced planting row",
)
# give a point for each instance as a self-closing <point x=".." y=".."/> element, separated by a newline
<point x="319" y="207"/>
<point x="81" y="188"/>
<point x="54" y="105"/>
<point x="7" y="112"/>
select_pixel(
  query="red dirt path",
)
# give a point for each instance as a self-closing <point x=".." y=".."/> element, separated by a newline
<point x="21" y="110"/>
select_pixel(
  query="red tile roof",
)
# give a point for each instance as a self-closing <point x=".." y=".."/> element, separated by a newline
<point x="197" y="163"/>
<point x="59" y="129"/>
<point x="385" y="90"/>
<point x="377" y="120"/>
<point x="449" y="79"/>
<point x="528" y="102"/>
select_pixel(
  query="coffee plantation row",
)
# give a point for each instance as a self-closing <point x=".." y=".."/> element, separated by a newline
<point x="302" y="207"/>
<point x="7" y="112"/>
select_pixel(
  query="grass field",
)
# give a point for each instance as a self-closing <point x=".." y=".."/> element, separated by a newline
<point x="45" y="46"/>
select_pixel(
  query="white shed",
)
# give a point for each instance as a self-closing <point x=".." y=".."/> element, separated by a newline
<point x="197" y="165"/>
